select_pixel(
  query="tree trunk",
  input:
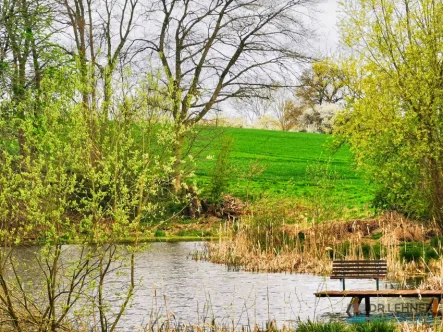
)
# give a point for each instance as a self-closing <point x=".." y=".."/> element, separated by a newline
<point x="178" y="148"/>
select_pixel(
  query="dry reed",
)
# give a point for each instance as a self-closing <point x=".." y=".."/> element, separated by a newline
<point x="310" y="248"/>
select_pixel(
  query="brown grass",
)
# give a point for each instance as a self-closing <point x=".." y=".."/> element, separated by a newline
<point x="417" y="327"/>
<point x="310" y="248"/>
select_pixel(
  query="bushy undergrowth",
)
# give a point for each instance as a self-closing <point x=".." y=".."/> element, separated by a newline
<point x="322" y="327"/>
<point x="372" y="326"/>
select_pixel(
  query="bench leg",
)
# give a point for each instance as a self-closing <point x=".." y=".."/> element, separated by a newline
<point x="367" y="305"/>
<point x="350" y="305"/>
<point x="435" y="303"/>
<point x="348" y="309"/>
<point x="355" y="303"/>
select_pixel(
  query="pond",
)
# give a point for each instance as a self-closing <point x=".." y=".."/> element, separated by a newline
<point x="173" y="284"/>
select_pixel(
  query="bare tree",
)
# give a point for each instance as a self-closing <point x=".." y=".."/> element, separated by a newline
<point x="211" y="51"/>
<point x="252" y="108"/>
<point x="286" y="111"/>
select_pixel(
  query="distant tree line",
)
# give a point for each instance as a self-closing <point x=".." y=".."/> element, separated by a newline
<point x="310" y="106"/>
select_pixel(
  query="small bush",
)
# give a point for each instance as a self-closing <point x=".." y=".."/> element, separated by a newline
<point x="375" y="326"/>
<point x="416" y="251"/>
<point x="377" y="236"/>
<point x="437" y="241"/>
<point x="222" y="174"/>
<point x="322" y="327"/>
<point x="372" y="326"/>
<point x="195" y="232"/>
<point x="159" y="233"/>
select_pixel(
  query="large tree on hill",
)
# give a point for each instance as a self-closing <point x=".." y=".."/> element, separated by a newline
<point x="324" y="82"/>
<point x="394" y="120"/>
<point x="212" y="51"/>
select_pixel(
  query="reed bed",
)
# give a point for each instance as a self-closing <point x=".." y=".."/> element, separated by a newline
<point x="301" y="247"/>
<point x="333" y="326"/>
<point x="420" y="327"/>
<point x="302" y="327"/>
<point x="168" y="326"/>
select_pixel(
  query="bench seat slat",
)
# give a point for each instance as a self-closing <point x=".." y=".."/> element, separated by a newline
<point x="359" y="277"/>
<point x="360" y="271"/>
<point x="363" y="273"/>
<point x="360" y="267"/>
<point x="345" y="275"/>
<point x="360" y="261"/>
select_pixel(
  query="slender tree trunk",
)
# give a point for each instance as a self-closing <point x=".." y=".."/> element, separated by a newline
<point x="178" y="149"/>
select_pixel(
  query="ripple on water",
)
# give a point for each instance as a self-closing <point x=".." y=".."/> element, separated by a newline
<point x="194" y="291"/>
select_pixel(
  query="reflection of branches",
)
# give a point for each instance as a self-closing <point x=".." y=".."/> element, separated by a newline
<point x="59" y="284"/>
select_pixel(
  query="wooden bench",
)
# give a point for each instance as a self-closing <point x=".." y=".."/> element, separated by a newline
<point x="372" y="269"/>
<point x="359" y="269"/>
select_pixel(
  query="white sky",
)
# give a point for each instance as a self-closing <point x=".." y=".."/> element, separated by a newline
<point x="324" y="21"/>
<point x="327" y="30"/>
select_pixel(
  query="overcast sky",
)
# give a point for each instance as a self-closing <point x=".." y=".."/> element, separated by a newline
<point x="325" y="21"/>
<point x="327" y="30"/>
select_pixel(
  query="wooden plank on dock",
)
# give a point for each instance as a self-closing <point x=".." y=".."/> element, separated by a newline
<point x="382" y="293"/>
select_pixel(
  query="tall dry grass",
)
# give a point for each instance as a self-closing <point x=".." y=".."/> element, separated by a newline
<point x="284" y="241"/>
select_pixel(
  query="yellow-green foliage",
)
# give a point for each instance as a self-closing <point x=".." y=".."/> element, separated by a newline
<point x="68" y="174"/>
<point x="393" y="119"/>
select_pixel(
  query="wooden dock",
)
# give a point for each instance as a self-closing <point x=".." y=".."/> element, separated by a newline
<point x="358" y="295"/>
<point x="382" y="293"/>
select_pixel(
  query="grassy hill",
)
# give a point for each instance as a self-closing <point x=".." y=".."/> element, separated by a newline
<point x="298" y="165"/>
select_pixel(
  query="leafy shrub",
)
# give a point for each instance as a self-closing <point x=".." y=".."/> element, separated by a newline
<point x="377" y="236"/>
<point x="194" y="232"/>
<point x="159" y="233"/>
<point x="222" y="173"/>
<point x="322" y="327"/>
<point x="437" y="241"/>
<point x="375" y="326"/>
<point x="416" y="251"/>
<point x="372" y="326"/>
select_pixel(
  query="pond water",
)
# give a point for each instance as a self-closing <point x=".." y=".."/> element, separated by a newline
<point x="197" y="291"/>
<point x="173" y="284"/>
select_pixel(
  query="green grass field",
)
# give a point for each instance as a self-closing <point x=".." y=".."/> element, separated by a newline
<point x="295" y="165"/>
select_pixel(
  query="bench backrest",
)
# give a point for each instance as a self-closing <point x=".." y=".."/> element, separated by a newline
<point x="359" y="269"/>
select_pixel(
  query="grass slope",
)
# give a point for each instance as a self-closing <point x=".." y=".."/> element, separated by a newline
<point x="295" y="165"/>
